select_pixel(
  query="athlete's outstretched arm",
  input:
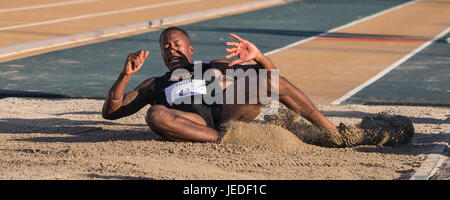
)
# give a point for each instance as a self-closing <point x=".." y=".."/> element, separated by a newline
<point x="117" y="104"/>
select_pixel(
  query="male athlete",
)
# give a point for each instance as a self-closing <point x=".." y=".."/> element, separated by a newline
<point x="198" y="122"/>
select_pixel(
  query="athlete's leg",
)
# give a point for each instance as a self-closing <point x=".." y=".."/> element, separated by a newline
<point x="178" y="125"/>
<point x="297" y="101"/>
<point x="240" y="112"/>
<point x="289" y="95"/>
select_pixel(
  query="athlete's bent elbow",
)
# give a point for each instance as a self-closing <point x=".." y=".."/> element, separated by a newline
<point x="108" y="116"/>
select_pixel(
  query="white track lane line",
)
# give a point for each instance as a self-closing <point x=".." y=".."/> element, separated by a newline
<point x="45" y="5"/>
<point x="390" y="68"/>
<point x="97" y="14"/>
<point x="341" y="27"/>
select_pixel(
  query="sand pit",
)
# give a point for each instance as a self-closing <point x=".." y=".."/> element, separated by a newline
<point x="68" y="139"/>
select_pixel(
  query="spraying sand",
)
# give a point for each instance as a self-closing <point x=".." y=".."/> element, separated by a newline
<point x="379" y="129"/>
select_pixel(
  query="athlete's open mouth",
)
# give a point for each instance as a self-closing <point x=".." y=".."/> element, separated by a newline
<point x="174" y="59"/>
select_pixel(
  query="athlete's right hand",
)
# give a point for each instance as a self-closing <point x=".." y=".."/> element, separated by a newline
<point x="134" y="62"/>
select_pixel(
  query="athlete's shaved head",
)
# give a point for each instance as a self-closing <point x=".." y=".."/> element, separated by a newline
<point x="174" y="28"/>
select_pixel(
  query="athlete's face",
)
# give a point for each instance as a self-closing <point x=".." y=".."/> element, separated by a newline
<point x="176" y="50"/>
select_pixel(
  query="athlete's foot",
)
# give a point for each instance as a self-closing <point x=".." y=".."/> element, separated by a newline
<point x="332" y="139"/>
<point x="382" y="129"/>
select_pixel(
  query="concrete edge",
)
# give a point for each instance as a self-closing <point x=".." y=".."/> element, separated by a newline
<point x="432" y="162"/>
<point x="439" y="163"/>
<point x="92" y="35"/>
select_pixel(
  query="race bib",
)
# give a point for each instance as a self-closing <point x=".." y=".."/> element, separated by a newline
<point x="184" y="89"/>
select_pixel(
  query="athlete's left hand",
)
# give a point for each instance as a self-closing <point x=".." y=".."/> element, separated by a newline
<point x="244" y="50"/>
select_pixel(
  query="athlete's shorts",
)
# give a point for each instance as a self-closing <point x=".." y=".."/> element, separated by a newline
<point x="210" y="113"/>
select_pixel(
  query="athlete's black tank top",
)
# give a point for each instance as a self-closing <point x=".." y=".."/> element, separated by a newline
<point x="172" y="92"/>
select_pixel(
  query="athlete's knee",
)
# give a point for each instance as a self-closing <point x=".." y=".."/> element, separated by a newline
<point x="157" y="116"/>
<point x="159" y="120"/>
